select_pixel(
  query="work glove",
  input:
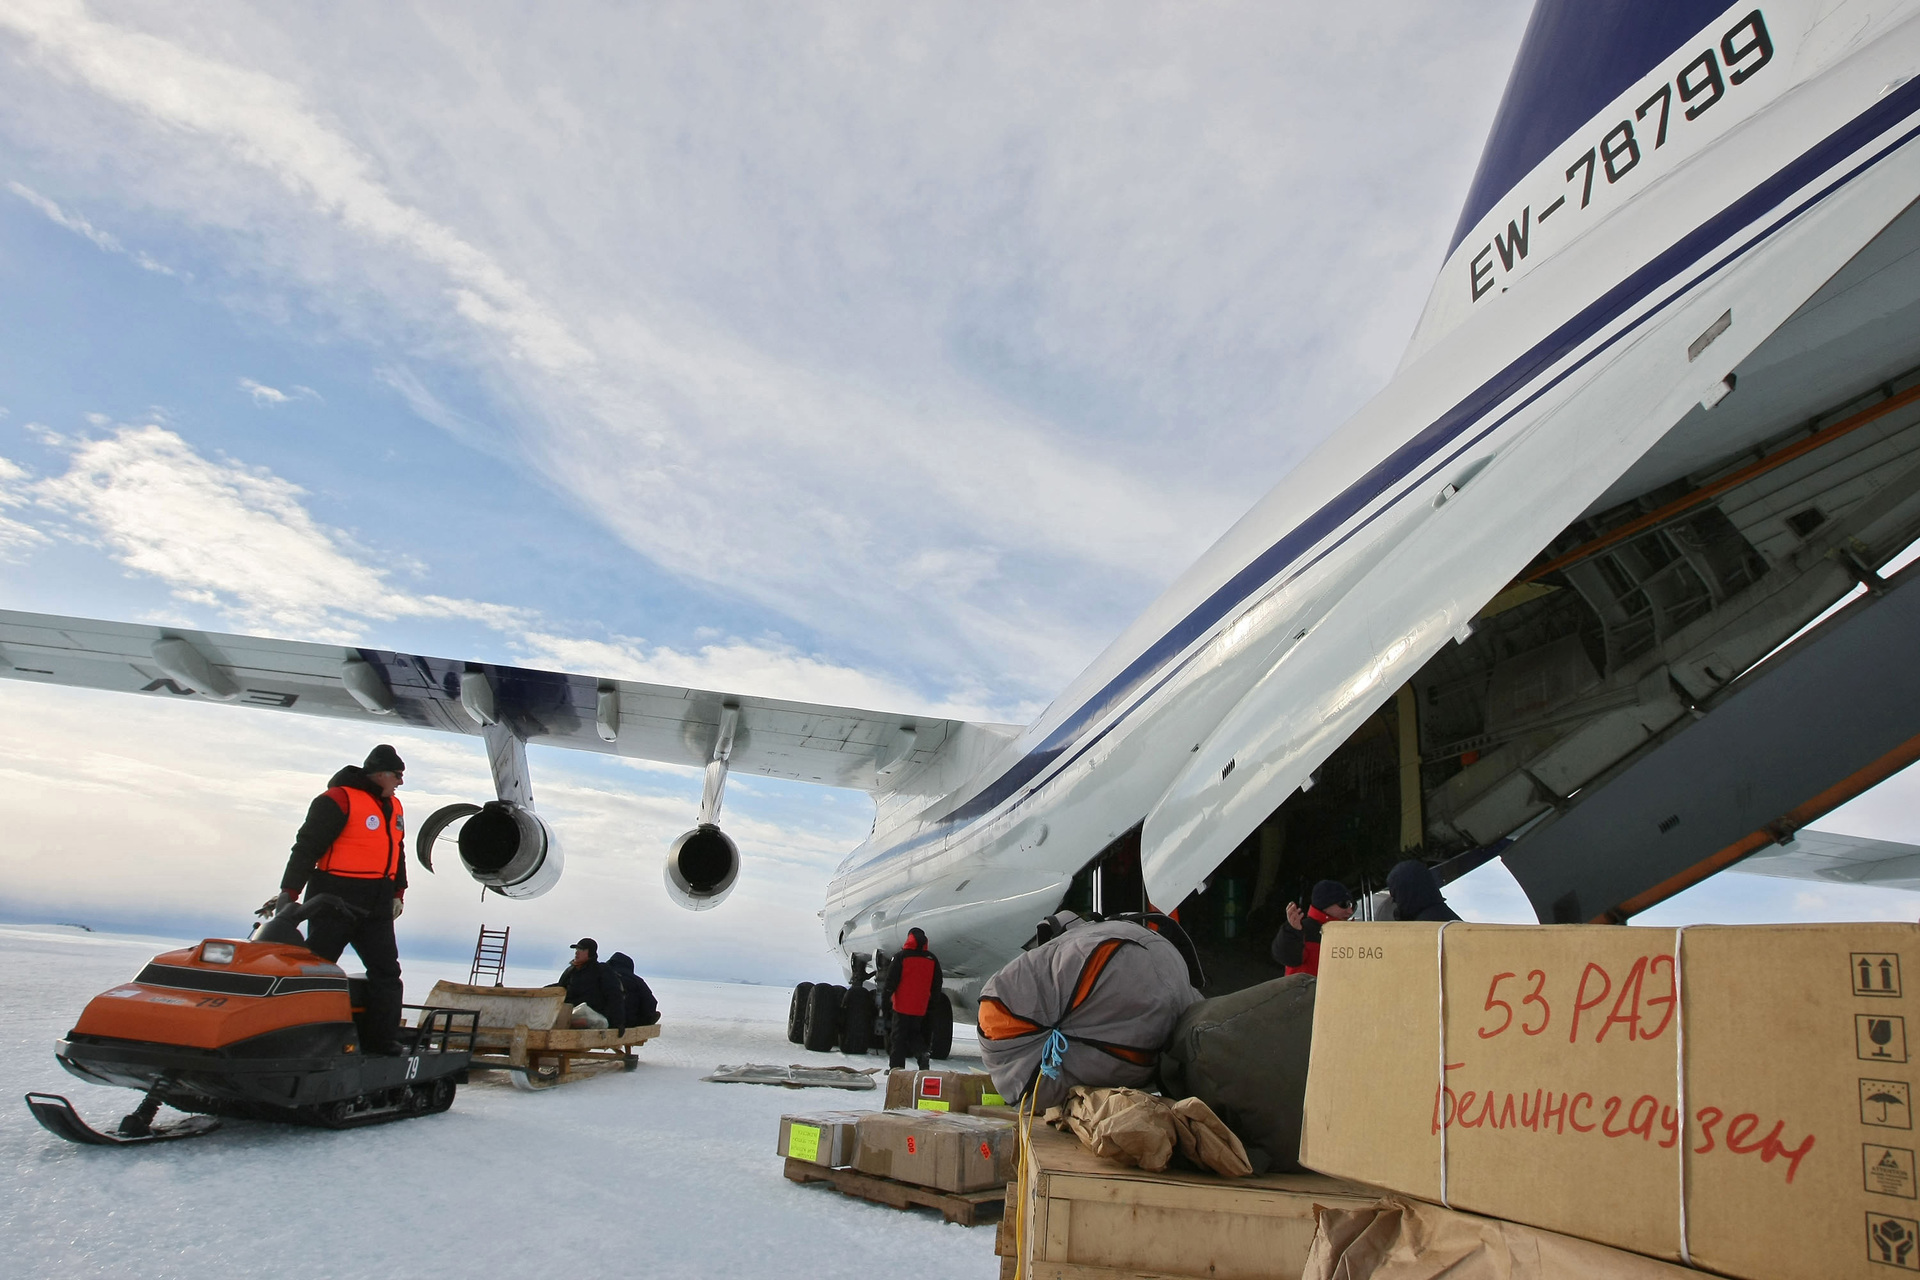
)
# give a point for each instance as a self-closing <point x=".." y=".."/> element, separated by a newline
<point x="272" y="906"/>
<point x="399" y="905"/>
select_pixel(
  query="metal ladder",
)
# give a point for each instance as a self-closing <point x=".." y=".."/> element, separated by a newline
<point x="490" y="957"/>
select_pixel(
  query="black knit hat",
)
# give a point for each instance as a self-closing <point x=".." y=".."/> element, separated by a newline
<point x="1331" y="893"/>
<point x="384" y="759"/>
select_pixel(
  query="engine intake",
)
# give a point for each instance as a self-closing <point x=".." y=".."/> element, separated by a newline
<point x="506" y="847"/>
<point x="702" y="867"/>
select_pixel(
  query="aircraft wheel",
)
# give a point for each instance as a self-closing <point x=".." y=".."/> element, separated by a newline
<point x="797" y="1014"/>
<point x="856" y="1021"/>
<point x="823" y="1016"/>
<point x="939" y="1026"/>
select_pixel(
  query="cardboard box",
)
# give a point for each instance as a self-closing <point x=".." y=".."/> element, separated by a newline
<point x="931" y="1149"/>
<point x="952" y="1091"/>
<point x="819" y="1137"/>
<point x="1741" y="1098"/>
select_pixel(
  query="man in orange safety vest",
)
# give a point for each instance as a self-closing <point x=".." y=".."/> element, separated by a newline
<point x="353" y="845"/>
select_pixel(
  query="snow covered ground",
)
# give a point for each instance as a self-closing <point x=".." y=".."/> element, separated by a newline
<point x="652" y="1172"/>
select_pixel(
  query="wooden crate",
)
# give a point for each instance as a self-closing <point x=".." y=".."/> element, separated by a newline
<point x="1087" y="1218"/>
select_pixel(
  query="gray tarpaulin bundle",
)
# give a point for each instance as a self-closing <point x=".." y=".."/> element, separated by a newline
<point x="1093" y="1007"/>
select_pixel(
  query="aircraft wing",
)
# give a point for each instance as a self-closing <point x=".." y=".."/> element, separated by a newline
<point x="837" y="746"/>
<point x="1838" y="859"/>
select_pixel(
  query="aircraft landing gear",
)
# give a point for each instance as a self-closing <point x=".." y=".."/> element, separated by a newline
<point x="823" y="1016"/>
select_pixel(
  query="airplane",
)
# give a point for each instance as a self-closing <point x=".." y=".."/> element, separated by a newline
<point x="1593" y="585"/>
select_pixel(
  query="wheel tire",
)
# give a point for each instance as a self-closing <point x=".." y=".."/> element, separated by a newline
<point x="857" y="1014"/>
<point x="443" y="1091"/>
<point x="823" y="1016"/>
<point x="939" y="1026"/>
<point x="797" y="1014"/>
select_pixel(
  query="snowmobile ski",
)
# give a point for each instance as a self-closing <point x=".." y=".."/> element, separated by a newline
<point x="57" y="1116"/>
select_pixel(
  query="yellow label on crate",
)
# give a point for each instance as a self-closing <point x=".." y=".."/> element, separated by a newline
<point x="803" y="1142"/>
<point x="992" y="1100"/>
<point x="933" y="1104"/>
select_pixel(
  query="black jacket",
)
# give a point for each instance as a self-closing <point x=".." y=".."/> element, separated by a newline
<point x="1416" y="894"/>
<point x="596" y="986"/>
<point x="642" y="1010"/>
<point x="326" y="819"/>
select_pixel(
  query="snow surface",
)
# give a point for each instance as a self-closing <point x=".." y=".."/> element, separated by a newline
<point x="651" y="1172"/>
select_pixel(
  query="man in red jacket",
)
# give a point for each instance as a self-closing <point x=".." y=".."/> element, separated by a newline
<point x="912" y="978"/>
<point x="353" y="845"/>
<point x="1297" y="945"/>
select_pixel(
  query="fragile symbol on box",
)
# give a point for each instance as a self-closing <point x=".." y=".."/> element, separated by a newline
<point x="1876" y="973"/>
<point x="1880" y="1039"/>
<point x="1891" y="1240"/>
<point x="1886" y="1104"/>
<point x="1889" y="1170"/>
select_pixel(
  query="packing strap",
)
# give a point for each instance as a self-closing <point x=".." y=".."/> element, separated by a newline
<point x="1440" y="967"/>
<point x="1680" y="1089"/>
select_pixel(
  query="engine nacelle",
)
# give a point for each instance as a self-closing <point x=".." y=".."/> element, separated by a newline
<point x="506" y="847"/>
<point x="702" y="867"/>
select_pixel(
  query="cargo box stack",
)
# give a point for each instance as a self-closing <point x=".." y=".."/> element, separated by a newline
<point x="1733" y="1098"/>
<point x="953" y="1091"/>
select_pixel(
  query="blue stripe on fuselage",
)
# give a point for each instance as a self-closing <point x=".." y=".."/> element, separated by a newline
<point x="1444" y="431"/>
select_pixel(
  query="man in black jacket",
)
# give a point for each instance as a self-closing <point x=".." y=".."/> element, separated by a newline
<point x="353" y="845"/>
<point x="1416" y="894"/>
<point x="642" y="1010"/>
<point x="590" y="983"/>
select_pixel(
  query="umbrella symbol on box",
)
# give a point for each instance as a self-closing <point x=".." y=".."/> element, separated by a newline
<point x="1886" y="1103"/>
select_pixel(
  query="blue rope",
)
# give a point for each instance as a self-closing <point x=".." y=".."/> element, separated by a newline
<point x="1053" y="1054"/>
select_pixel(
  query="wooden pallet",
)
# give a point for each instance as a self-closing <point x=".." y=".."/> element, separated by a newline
<point x="962" y="1207"/>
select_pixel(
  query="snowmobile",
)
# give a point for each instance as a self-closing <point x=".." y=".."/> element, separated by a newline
<point x="262" y="1030"/>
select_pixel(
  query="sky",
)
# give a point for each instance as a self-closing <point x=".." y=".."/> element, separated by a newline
<point x="891" y="356"/>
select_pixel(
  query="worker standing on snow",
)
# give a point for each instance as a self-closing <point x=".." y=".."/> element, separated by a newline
<point x="353" y="845"/>
<point x="912" y="978"/>
<point x="1297" y="945"/>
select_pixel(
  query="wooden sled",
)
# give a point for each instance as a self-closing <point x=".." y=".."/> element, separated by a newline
<point x="523" y="1032"/>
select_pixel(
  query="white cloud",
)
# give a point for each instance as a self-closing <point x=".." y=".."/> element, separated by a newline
<point x="240" y="541"/>
<point x="793" y="304"/>
<point x="234" y="538"/>
<point x="269" y="397"/>
<point x="102" y="240"/>
<point x="16" y="537"/>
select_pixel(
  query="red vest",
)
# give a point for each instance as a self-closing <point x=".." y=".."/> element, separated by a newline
<point x="915" y="991"/>
<point x="370" y="847"/>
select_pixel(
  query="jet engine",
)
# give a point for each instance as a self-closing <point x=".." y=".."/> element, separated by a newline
<point x="702" y="867"/>
<point x="507" y="847"/>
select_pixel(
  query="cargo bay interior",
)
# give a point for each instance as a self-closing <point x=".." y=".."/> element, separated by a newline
<point x="1608" y="726"/>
